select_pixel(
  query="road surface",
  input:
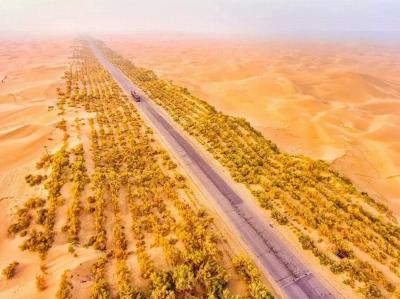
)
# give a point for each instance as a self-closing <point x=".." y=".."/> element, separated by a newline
<point x="288" y="272"/>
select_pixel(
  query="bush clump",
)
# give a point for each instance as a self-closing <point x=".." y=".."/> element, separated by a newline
<point x="35" y="202"/>
<point x="23" y="221"/>
<point x="65" y="288"/>
<point x="33" y="180"/>
<point x="249" y="272"/>
<point x="282" y="219"/>
<point x="10" y="270"/>
<point x="38" y="241"/>
<point x="41" y="282"/>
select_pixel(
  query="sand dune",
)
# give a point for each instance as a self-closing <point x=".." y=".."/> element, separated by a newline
<point x="335" y="101"/>
<point x="26" y="143"/>
<point x="32" y="70"/>
<point x="25" y="95"/>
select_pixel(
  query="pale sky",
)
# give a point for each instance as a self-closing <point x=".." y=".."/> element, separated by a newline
<point x="244" y="17"/>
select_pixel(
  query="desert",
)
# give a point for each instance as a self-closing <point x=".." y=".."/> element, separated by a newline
<point x="335" y="101"/>
<point x="200" y="149"/>
<point x="64" y="239"/>
<point x="318" y="101"/>
<point x="31" y="70"/>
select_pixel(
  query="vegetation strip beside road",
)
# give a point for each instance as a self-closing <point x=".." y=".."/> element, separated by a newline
<point x="139" y="204"/>
<point x="354" y="235"/>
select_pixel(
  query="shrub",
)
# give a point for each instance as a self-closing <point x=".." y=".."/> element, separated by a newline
<point x="162" y="285"/>
<point x="100" y="288"/>
<point x="10" y="270"/>
<point x="126" y="290"/>
<point x="33" y="180"/>
<point x="371" y="291"/>
<point x="282" y="219"/>
<point x="71" y="248"/>
<point x="62" y="125"/>
<point x="34" y="203"/>
<point x="213" y="277"/>
<point x="65" y="287"/>
<point x="44" y="161"/>
<point x="245" y="268"/>
<point x="38" y="241"/>
<point x="42" y="215"/>
<point x="23" y="221"/>
<point x="257" y="290"/>
<point x="306" y="242"/>
<point x="184" y="278"/>
<point x="41" y="282"/>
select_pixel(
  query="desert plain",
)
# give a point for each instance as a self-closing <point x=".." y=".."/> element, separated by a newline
<point x="334" y="101"/>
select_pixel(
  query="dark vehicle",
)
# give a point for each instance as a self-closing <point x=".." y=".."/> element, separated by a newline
<point x="135" y="96"/>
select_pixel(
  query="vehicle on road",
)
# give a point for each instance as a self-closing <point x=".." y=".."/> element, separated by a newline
<point x="135" y="96"/>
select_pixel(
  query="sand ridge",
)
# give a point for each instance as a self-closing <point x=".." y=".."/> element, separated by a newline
<point x="30" y="73"/>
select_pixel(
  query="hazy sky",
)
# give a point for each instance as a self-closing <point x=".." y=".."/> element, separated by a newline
<point x="250" y="17"/>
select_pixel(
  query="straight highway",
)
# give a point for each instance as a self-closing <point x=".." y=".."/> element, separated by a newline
<point x="272" y="255"/>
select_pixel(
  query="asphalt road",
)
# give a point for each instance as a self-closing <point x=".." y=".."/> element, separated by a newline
<point x="273" y="256"/>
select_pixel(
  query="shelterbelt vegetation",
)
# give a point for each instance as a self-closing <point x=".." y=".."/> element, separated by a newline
<point x="347" y="231"/>
<point x="109" y="213"/>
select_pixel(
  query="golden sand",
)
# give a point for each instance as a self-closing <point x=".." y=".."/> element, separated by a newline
<point x="30" y="72"/>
